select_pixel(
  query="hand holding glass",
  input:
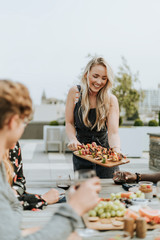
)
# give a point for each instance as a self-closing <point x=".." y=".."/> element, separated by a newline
<point x="83" y="174"/>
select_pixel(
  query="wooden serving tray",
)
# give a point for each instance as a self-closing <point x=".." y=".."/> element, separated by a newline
<point x="98" y="225"/>
<point x="109" y="163"/>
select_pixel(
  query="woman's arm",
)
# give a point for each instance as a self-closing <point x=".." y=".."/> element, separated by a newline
<point x="19" y="179"/>
<point x="63" y="222"/>
<point x="132" y="177"/>
<point x="69" y="113"/>
<point x="153" y="177"/>
<point x="66" y="219"/>
<point x="113" y="124"/>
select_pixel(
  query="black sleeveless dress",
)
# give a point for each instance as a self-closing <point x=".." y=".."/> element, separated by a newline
<point x="86" y="135"/>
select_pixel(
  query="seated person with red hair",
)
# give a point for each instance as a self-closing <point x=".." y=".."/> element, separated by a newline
<point x="15" y="110"/>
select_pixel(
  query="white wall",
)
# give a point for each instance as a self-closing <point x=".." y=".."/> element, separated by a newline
<point x="135" y="140"/>
<point x="48" y="112"/>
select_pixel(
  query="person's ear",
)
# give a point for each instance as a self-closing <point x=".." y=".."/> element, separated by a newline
<point x="13" y="121"/>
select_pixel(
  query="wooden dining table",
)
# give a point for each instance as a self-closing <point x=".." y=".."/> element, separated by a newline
<point x="31" y="219"/>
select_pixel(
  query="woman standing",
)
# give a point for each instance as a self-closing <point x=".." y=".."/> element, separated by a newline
<point x="92" y="114"/>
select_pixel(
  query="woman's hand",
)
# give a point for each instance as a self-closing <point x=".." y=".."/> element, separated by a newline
<point x="86" y="196"/>
<point x="73" y="145"/>
<point x="120" y="177"/>
<point x="52" y="196"/>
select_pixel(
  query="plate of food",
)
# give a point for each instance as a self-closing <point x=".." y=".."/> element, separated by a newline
<point x="110" y="214"/>
<point x="136" y="188"/>
<point x="107" y="215"/>
<point x="100" y="155"/>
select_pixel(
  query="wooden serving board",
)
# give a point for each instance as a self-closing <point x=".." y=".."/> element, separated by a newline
<point x="109" y="163"/>
<point x="98" y="225"/>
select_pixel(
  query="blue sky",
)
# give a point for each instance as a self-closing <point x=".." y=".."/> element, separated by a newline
<point x="44" y="43"/>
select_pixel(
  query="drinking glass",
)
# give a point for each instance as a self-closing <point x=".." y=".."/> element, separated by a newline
<point x="83" y="174"/>
<point x="119" y="177"/>
<point x="63" y="183"/>
<point x="147" y="188"/>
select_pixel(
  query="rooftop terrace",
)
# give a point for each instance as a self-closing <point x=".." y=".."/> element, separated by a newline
<point x="42" y="169"/>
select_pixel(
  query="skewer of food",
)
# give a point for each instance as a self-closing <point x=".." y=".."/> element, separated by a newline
<point x="100" y="153"/>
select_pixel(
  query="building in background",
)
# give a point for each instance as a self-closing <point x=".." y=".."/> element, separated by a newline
<point x="50" y="109"/>
<point x="53" y="101"/>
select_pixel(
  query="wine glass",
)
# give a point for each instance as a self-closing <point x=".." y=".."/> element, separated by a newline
<point x="83" y="174"/>
<point x="63" y="183"/>
<point x="119" y="177"/>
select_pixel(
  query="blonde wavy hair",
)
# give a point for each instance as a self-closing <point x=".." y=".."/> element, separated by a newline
<point x="14" y="99"/>
<point x="103" y="96"/>
<point x="9" y="167"/>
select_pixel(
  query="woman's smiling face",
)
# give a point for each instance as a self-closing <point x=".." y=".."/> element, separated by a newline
<point x="97" y="78"/>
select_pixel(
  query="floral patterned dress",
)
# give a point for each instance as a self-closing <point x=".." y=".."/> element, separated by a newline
<point x="30" y="201"/>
